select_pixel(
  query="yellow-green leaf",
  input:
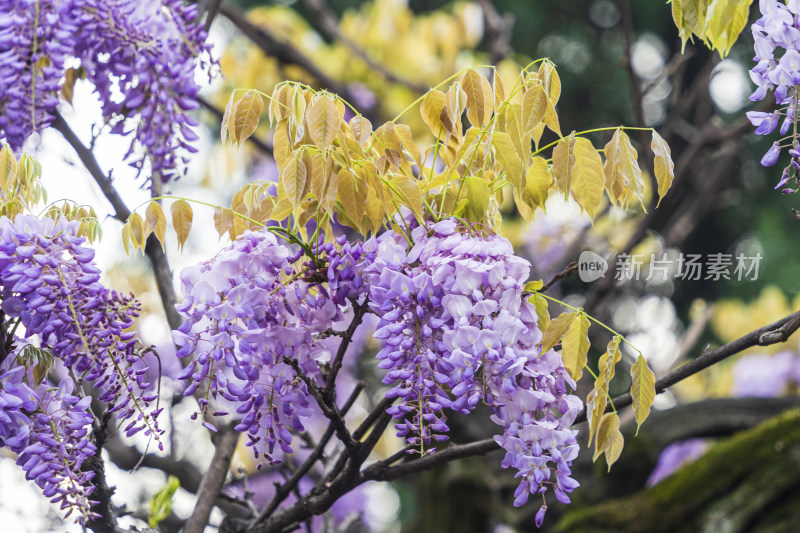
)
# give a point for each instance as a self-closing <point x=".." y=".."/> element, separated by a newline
<point x="538" y="182"/>
<point x="126" y="238"/>
<point x="606" y="432"/>
<point x="8" y="168"/>
<point x="690" y="18"/>
<point x="725" y="20"/>
<point x="223" y="130"/>
<point x="614" y="449"/>
<point x="508" y="158"/>
<point x="596" y="403"/>
<point x="407" y="189"/>
<point x="558" y="326"/>
<point x="477" y="198"/>
<point x="244" y="116"/>
<point x="181" y="220"/>
<point x="479" y="98"/>
<point x="564" y="163"/>
<point x="323" y="121"/>
<point x="575" y="346"/>
<point x="353" y="196"/>
<point x="587" y="176"/>
<point x="623" y="177"/>
<point x="540" y="305"/>
<point x="534" y="106"/>
<point x="137" y="231"/>
<point x="643" y="390"/>
<point x="552" y="82"/>
<point x="293" y="179"/>
<point x="223" y="220"/>
<point x="161" y="502"/>
<point x="608" y="361"/>
<point x="431" y="109"/>
<point x="663" y="165"/>
<point x="156" y="221"/>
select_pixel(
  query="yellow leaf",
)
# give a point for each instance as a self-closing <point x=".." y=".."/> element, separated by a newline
<point x="663" y="165"/>
<point x="479" y="98"/>
<point x="623" y="177"/>
<point x="293" y="179"/>
<point x="534" y="106"/>
<point x="538" y="182"/>
<point x="223" y="220"/>
<point x="137" y="232"/>
<point x="243" y="120"/>
<point x="587" y="176"/>
<point x="431" y="109"/>
<point x="606" y="432"/>
<point x="596" y="403"/>
<point x="508" y="158"/>
<point x="608" y="361"/>
<point x="361" y="129"/>
<point x="643" y="390"/>
<point x="8" y="168"/>
<point x="575" y="346"/>
<point x="156" y="221"/>
<point x="512" y="124"/>
<point x="407" y="189"/>
<point x="323" y="121"/>
<point x="499" y="91"/>
<point x="375" y="210"/>
<point x="558" y="326"/>
<point x="564" y="163"/>
<point x="181" y="220"/>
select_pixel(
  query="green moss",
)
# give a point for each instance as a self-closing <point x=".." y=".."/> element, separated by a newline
<point x="739" y="485"/>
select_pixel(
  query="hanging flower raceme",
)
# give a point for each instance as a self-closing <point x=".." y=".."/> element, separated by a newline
<point x="141" y="57"/>
<point x="456" y="332"/>
<point x="49" y="281"/>
<point x="777" y="36"/>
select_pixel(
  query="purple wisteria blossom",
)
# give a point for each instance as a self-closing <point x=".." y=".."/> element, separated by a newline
<point x="777" y="37"/>
<point x="140" y="55"/>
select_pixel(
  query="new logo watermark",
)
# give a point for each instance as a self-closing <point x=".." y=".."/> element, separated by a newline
<point x="591" y="266"/>
<point x="691" y="267"/>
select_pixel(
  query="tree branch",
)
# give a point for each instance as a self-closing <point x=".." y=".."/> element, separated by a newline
<point x="153" y="250"/>
<point x="213" y="480"/>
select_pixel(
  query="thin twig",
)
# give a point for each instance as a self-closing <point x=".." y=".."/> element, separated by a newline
<point x="572" y="267"/>
<point x="153" y="250"/>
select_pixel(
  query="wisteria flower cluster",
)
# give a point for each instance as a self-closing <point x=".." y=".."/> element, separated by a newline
<point x="778" y="28"/>
<point x="140" y="56"/>
<point x="454" y="326"/>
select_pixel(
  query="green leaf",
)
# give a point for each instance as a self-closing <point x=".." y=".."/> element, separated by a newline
<point x="181" y="220"/>
<point x="508" y="158"/>
<point x="575" y="346"/>
<point x="643" y="390"/>
<point x="477" y="198"/>
<point x="161" y="502"/>
<point x="556" y="330"/>
<point x="540" y="305"/>
<point x="587" y="176"/>
<point x="663" y="165"/>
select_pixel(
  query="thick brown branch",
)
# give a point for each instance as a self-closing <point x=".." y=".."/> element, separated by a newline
<point x="213" y="480"/>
